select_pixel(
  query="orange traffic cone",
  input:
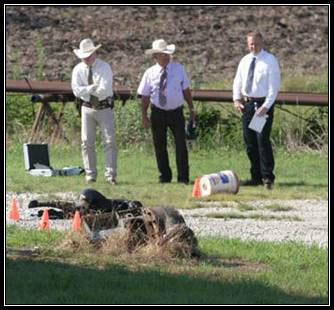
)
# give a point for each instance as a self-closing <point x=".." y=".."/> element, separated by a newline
<point x="76" y="225"/>
<point x="44" y="222"/>
<point x="14" y="212"/>
<point x="197" y="189"/>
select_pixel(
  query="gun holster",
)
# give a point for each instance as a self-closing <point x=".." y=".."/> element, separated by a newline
<point x="78" y="104"/>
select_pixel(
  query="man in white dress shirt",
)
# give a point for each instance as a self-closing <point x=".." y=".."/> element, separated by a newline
<point x="165" y="87"/>
<point x="92" y="84"/>
<point x="255" y="89"/>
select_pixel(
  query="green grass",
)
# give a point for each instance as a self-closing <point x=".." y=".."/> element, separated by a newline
<point x="229" y="272"/>
<point x="299" y="175"/>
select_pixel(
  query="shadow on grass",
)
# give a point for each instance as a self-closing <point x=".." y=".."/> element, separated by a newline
<point x="40" y="282"/>
<point x="301" y="183"/>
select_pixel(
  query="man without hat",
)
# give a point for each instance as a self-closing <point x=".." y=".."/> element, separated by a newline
<point x="255" y="89"/>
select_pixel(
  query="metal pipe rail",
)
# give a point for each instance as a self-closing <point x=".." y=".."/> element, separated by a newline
<point x="55" y="91"/>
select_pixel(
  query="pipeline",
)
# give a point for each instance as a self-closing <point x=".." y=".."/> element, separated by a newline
<point x="57" y="91"/>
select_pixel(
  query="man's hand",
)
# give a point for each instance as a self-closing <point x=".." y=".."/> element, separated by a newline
<point x="145" y="104"/>
<point x="146" y="121"/>
<point x="189" y="99"/>
<point x="92" y="87"/>
<point x="261" y="111"/>
<point x="239" y="106"/>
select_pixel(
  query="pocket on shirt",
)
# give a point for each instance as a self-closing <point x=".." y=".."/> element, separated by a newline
<point x="176" y="83"/>
<point x="260" y="75"/>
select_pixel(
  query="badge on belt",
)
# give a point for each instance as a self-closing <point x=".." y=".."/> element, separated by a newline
<point x="110" y="102"/>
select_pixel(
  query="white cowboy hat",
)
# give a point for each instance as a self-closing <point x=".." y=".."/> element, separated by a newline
<point x="160" y="46"/>
<point x="86" y="49"/>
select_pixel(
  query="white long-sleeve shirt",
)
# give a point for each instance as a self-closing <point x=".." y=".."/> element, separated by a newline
<point x="102" y="77"/>
<point x="177" y="82"/>
<point x="267" y="78"/>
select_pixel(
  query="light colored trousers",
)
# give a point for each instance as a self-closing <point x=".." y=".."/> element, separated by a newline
<point x="105" y="119"/>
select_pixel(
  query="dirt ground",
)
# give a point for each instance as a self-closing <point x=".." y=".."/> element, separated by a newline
<point x="210" y="40"/>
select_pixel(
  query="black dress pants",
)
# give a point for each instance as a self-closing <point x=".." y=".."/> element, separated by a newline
<point x="258" y="145"/>
<point x="161" y="120"/>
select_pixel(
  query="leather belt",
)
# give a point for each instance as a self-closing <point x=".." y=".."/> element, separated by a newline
<point x="103" y="104"/>
<point x="254" y="99"/>
<point x="154" y="107"/>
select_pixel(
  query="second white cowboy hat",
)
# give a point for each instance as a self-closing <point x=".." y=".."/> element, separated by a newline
<point x="160" y="46"/>
<point x="86" y="49"/>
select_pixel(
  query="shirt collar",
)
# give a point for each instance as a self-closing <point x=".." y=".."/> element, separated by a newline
<point x="162" y="68"/>
<point x="258" y="55"/>
<point x="93" y="64"/>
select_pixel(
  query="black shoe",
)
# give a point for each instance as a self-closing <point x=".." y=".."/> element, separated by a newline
<point x="268" y="183"/>
<point x="251" y="183"/>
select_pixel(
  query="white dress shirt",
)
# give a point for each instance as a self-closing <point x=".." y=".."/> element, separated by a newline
<point x="102" y="78"/>
<point x="267" y="78"/>
<point x="177" y="81"/>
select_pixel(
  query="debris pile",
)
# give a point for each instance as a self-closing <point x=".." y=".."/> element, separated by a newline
<point x="99" y="218"/>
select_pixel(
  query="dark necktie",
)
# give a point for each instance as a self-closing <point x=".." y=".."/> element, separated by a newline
<point x="162" y="88"/>
<point x="250" y="76"/>
<point x="93" y="99"/>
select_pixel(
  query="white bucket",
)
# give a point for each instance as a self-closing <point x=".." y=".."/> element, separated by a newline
<point x="223" y="181"/>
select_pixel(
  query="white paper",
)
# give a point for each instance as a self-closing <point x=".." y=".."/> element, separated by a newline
<point x="257" y="123"/>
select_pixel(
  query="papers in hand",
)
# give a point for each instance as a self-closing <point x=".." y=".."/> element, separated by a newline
<point x="257" y="123"/>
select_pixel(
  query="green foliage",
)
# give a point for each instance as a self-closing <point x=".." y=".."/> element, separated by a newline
<point x="19" y="113"/>
<point x="316" y="131"/>
<point x="207" y="121"/>
<point x="216" y="127"/>
<point x="300" y="127"/>
<point x="129" y="129"/>
<point x="217" y="124"/>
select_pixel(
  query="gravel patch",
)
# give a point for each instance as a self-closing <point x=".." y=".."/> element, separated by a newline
<point x="304" y="221"/>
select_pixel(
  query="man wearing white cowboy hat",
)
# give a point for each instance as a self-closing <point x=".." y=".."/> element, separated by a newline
<point x="165" y="86"/>
<point x="92" y="84"/>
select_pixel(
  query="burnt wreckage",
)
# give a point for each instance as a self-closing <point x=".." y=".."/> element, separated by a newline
<point x="141" y="224"/>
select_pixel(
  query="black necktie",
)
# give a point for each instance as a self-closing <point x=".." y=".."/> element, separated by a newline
<point x="93" y="99"/>
<point x="162" y="88"/>
<point x="250" y="76"/>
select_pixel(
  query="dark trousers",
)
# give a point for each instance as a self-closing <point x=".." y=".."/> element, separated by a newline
<point x="160" y="121"/>
<point x="258" y="145"/>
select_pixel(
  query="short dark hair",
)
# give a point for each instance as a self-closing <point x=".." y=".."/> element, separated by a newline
<point x="255" y="34"/>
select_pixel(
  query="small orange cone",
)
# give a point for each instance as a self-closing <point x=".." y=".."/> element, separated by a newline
<point x="14" y="212"/>
<point x="44" y="222"/>
<point x="76" y="225"/>
<point x="197" y="189"/>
